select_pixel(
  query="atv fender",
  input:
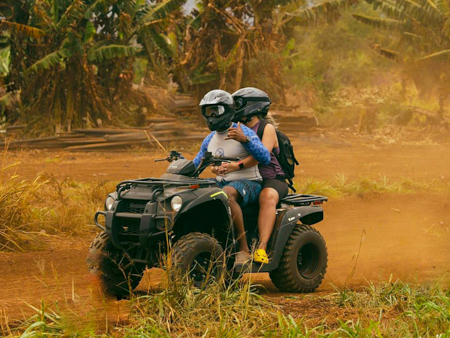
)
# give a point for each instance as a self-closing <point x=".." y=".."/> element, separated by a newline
<point x="284" y="225"/>
<point x="203" y="196"/>
<point x="212" y="204"/>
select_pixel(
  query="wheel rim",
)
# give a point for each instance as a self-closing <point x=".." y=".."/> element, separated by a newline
<point x="308" y="260"/>
<point x="202" y="269"/>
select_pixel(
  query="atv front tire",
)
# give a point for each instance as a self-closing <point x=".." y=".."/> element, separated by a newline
<point x="111" y="266"/>
<point x="303" y="263"/>
<point x="200" y="257"/>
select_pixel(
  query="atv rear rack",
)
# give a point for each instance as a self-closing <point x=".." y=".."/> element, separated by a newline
<point x="303" y="200"/>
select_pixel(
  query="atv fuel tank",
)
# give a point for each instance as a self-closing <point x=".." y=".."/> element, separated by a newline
<point x="181" y="167"/>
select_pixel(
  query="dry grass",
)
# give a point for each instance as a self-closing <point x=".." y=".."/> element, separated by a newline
<point x="49" y="206"/>
<point x="387" y="309"/>
<point x="340" y="186"/>
<point x="46" y="206"/>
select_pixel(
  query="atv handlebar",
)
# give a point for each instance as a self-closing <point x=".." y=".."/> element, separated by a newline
<point x="208" y="160"/>
<point x="173" y="156"/>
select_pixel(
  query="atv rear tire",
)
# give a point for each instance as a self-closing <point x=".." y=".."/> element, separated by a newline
<point x="200" y="257"/>
<point x="109" y="264"/>
<point x="303" y="263"/>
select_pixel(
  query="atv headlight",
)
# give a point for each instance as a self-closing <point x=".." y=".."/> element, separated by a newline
<point x="176" y="203"/>
<point x="109" y="203"/>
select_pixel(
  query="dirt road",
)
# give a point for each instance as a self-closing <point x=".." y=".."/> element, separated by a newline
<point x="405" y="236"/>
<point x="316" y="160"/>
<point x="402" y="235"/>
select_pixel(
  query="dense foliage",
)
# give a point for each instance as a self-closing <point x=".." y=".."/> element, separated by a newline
<point x="72" y="61"/>
<point x="421" y="32"/>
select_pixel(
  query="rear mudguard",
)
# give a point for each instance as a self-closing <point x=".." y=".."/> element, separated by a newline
<point x="284" y="225"/>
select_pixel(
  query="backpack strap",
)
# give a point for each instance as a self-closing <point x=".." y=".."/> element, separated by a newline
<point x="290" y="184"/>
<point x="260" y="131"/>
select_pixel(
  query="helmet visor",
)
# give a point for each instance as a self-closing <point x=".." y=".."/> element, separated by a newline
<point x="239" y="103"/>
<point x="213" y="111"/>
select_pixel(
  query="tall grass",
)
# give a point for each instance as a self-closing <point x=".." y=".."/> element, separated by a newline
<point x="29" y="210"/>
<point x="340" y="186"/>
<point x="412" y="310"/>
<point x="387" y="309"/>
<point x="15" y="218"/>
<point x="218" y="311"/>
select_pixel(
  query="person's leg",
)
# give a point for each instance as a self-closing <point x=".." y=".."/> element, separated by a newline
<point x="273" y="190"/>
<point x="268" y="200"/>
<point x="238" y="219"/>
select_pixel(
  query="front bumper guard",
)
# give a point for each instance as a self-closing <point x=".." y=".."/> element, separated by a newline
<point x="101" y="227"/>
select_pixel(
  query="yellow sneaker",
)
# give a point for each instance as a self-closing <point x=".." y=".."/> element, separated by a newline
<point x="260" y="256"/>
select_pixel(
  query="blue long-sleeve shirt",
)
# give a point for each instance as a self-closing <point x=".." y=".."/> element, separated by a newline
<point x="254" y="147"/>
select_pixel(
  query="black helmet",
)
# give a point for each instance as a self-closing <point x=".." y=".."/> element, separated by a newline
<point x="218" y="109"/>
<point x="250" y="101"/>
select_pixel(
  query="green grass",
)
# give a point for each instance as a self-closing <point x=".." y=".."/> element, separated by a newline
<point x="386" y="309"/>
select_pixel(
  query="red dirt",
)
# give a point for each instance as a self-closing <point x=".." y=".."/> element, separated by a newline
<point x="316" y="160"/>
<point x="403" y="235"/>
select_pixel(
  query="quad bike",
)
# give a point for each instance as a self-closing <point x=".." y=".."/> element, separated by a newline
<point x="191" y="216"/>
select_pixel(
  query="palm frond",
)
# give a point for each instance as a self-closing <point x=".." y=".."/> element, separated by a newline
<point x="162" y="43"/>
<point x="50" y="60"/>
<point x="89" y="32"/>
<point x="389" y="53"/>
<point x="423" y="13"/>
<point x="73" y="13"/>
<point x="99" y="5"/>
<point x="28" y="31"/>
<point x="197" y="71"/>
<point x="288" y="47"/>
<point x="7" y="99"/>
<point x="196" y="22"/>
<point x="5" y="55"/>
<point x="392" y="10"/>
<point x="376" y="22"/>
<point x="204" y="78"/>
<point x="110" y="52"/>
<point x="441" y="55"/>
<point x="162" y="10"/>
<point x="325" y="12"/>
<point x="446" y="28"/>
<point x="413" y="36"/>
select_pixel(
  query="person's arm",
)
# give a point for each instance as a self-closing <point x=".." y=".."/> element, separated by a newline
<point x="203" y="149"/>
<point x="269" y="140"/>
<point x="254" y="146"/>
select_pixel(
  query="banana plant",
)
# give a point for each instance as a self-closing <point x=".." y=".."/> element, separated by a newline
<point x="72" y="59"/>
<point x="421" y="29"/>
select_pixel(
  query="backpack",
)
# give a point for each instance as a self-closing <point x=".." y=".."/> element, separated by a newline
<point x="286" y="157"/>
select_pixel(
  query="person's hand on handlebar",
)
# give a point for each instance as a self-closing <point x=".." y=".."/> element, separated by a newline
<point x="226" y="168"/>
<point x="218" y="170"/>
<point x="236" y="134"/>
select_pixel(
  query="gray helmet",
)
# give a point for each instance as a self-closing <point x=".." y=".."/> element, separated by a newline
<point x="218" y="109"/>
<point x="250" y="101"/>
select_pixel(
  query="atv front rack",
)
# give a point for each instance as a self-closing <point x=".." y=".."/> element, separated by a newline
<point x="160" y="181"/>
<point x="303" y="200"/>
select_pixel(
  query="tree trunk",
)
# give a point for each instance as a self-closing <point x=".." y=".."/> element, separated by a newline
<point x="239" y="68"/>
